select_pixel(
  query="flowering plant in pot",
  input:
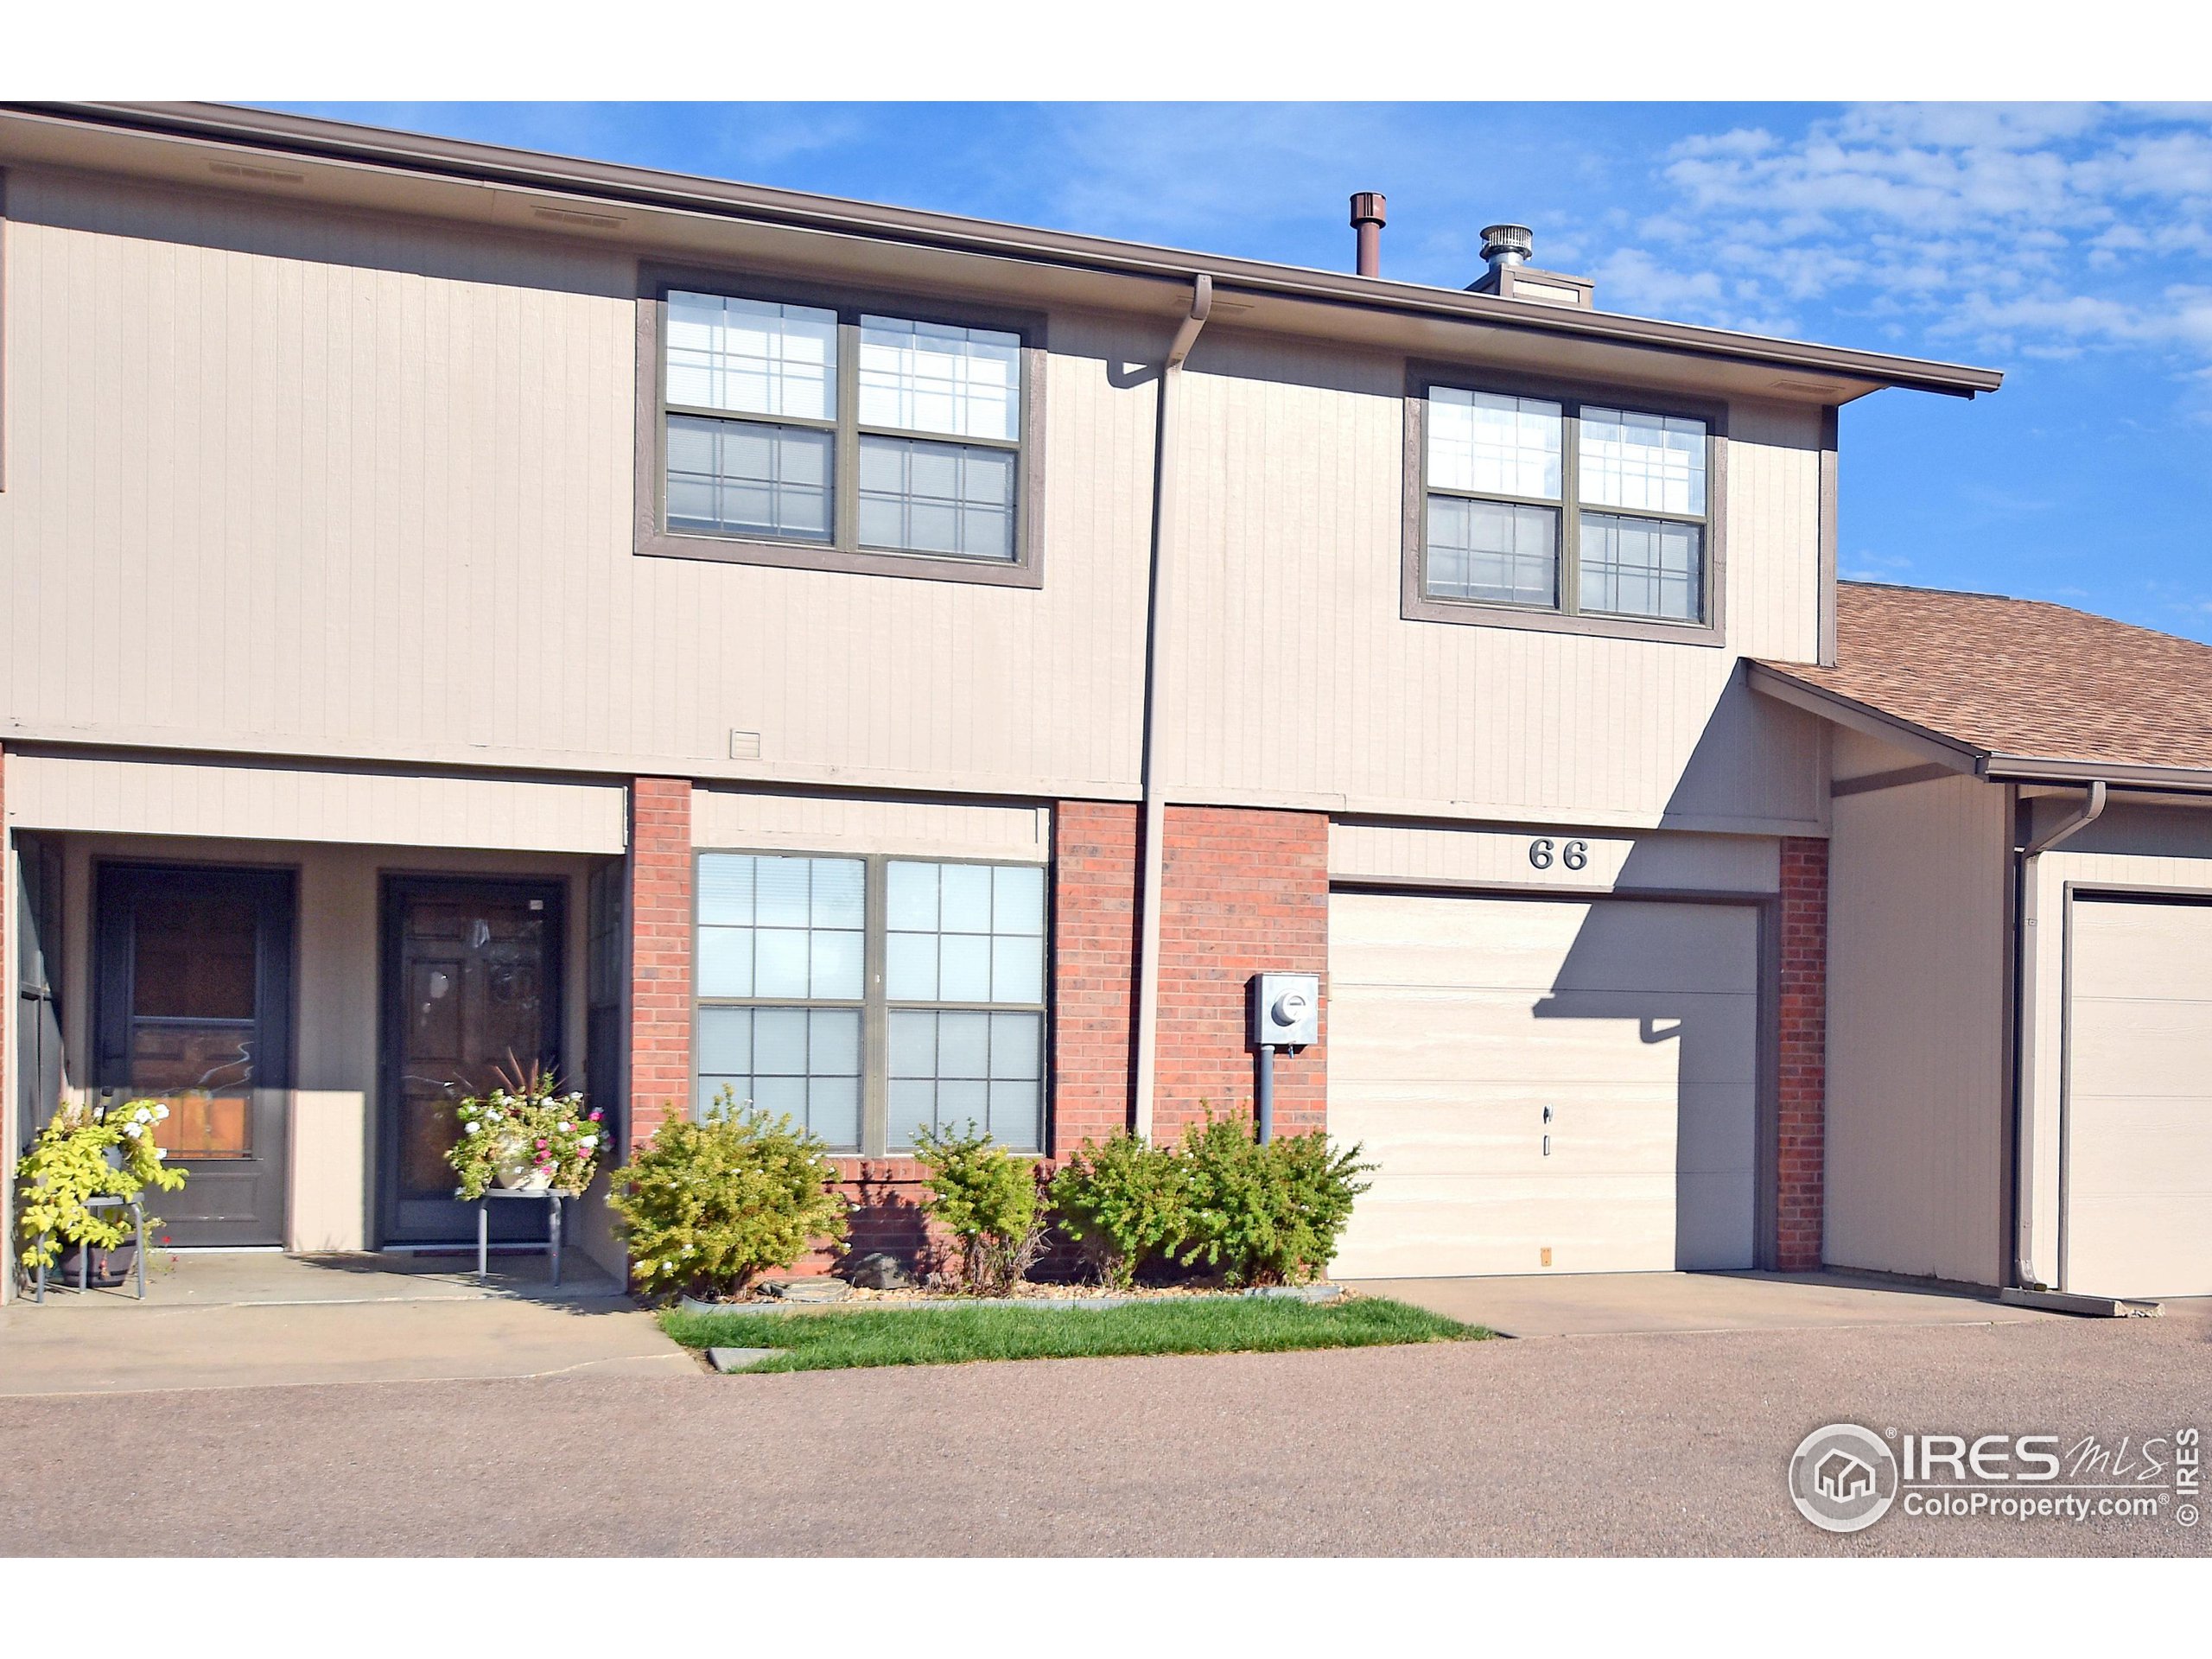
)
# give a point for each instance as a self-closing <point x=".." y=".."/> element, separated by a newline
<point x="526" y="1134"/>
<point x="85" y="1152"/>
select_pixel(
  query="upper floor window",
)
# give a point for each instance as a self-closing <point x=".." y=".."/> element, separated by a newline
<point x="791" y="430"/>
<point x="1565" y="507"/>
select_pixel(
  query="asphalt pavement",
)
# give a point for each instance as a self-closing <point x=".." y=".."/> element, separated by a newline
<point x="1650" y="1444"/>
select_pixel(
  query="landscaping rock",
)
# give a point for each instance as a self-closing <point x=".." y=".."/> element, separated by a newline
<point x="726" y="1360"/>
<point x="880" y="1271"/>
<point x="809" y="1290"/>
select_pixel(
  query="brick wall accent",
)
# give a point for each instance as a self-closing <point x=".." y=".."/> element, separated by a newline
<point x="660" y="951"/>
<point x="1095" y="870"/>
<point x="1803" y="1050"/>
<point x="1244" y="891"/>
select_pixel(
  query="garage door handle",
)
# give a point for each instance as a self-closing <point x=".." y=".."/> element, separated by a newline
<point x="1547" y="1145"/>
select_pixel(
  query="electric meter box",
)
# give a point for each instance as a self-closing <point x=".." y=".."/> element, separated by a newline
<point x="1286" y="1010"/>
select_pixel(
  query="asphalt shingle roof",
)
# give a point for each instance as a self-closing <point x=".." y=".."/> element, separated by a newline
<point x="2020" y="676"/>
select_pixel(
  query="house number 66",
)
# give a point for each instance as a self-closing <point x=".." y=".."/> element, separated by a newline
<point x="1574" y="855"/>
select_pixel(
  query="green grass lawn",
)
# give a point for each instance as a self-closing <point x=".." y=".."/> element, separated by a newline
<point x="837" y="1339"/>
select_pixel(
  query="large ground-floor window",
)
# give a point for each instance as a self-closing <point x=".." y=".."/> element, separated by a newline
<point x="874" y="998"/>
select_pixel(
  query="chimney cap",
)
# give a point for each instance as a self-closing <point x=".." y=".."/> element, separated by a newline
<point x="1367" y="207"/>
<point x="1509" y="245"/>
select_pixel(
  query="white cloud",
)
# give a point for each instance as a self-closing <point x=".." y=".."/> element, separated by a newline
<point x="2035" y="229"/>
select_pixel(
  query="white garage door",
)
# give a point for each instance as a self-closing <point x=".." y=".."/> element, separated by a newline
<point x="1534" y="1076"/>
<point x="2139" y="1101"/>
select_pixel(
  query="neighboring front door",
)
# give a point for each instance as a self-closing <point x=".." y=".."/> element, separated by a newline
<point x="472" y="989"/>
<point x="192" y="967"/>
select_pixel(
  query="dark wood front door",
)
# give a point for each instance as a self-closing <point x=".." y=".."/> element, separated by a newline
<point x="193" y="1008"/>
<point x="472" y="986"/>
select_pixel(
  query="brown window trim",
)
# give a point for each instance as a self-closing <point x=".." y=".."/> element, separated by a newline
<point x="1416" y="604"/>
<point x="654" y="539"/>
<point x="875" y="1005"/>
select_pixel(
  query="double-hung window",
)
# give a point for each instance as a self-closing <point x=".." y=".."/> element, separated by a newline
<point x="874" y="998"/>
<point x="1562" y="507"/>
<point x="794" y="430"/>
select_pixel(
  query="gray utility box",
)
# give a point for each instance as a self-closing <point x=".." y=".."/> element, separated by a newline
<point x="1286" y="1010"/>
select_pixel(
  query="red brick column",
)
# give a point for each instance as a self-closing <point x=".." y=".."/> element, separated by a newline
<point x="1804" y="1020"/>
<point x="1246" y="891"/>
<point x="660" y="951"/>
<point x="1095" y="855"/>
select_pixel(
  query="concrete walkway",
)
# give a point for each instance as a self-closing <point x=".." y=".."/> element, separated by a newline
<point x="250" y="1320"/>
<point x="1646" y="1304"/>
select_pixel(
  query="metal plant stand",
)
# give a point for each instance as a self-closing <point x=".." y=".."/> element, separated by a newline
<point x="554" y="1195"/>
<point x="138" y="1224"/>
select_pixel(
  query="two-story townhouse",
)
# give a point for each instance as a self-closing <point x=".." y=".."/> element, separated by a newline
<point x="463" y="604"/>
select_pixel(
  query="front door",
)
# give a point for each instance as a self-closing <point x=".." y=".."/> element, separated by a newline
<point x="473" y="989"/>
<point x="193" y="966"/>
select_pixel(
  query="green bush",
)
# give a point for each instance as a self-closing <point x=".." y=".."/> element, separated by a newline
<point x="68" y="1164"/>
<point x="1123" y="1202"/>
<point x="986" y="1197"/>
<point x="1264" y="1215"/>
<point x="708" y="1205"/>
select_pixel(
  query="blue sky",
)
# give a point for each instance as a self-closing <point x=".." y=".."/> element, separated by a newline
<point x="2069" y="244"/>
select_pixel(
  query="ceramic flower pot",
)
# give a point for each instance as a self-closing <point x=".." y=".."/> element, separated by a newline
<point x="513" y="1166"/>
<point x="536" y="1180"/>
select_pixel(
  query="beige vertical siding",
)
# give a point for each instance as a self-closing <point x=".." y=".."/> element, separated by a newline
<point x="338" y="485"/>
<point x="144" y="796"/>
<point x="1293" y="674"/>
<point x="329" y="484"/>
<point x="1490" y="858"/>
<point x="823" y="822"/>
<point x="1917" y="960"/>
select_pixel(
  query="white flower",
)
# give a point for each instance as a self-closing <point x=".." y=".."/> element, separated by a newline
<point x="160" y="1112"/>
<point x="160" y="1153"/>
<point x="668" y="1266"/>
<point x="476" y="1128"/>
<point x="142" y="1115"/>
<point x="587" y="1142"/>
<point x="133" y="1130"/>
<point x="564" y="1127"/>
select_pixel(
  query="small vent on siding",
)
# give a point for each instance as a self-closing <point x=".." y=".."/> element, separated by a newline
<point x="582" y="221"/>
<point x="255" y="175"/>
<point x="744" y="746"/>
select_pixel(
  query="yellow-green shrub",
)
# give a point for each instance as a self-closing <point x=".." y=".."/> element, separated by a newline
<point x="708" y="1205"/>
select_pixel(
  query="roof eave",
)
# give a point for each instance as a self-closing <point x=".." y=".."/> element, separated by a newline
<point x="1961" y="756"/>
<point x="2032" y="769"/>
<point x="608" y="181"/>
<point x="1776" y="682"/>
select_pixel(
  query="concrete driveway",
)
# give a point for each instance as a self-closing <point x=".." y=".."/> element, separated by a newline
<point x="1653" y="1444"/>
<point x="1646" y="1304"/>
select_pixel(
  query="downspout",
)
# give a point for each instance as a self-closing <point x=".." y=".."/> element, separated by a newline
<point x="2026" y="957"/>
<point x="1158" y="612"/>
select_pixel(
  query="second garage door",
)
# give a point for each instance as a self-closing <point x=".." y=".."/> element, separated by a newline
<point x="2137" y="1211"/>
<point x="1547" y="1085"/>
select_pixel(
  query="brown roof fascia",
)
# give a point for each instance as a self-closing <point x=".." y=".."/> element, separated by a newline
<point x="454" y="158"/>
